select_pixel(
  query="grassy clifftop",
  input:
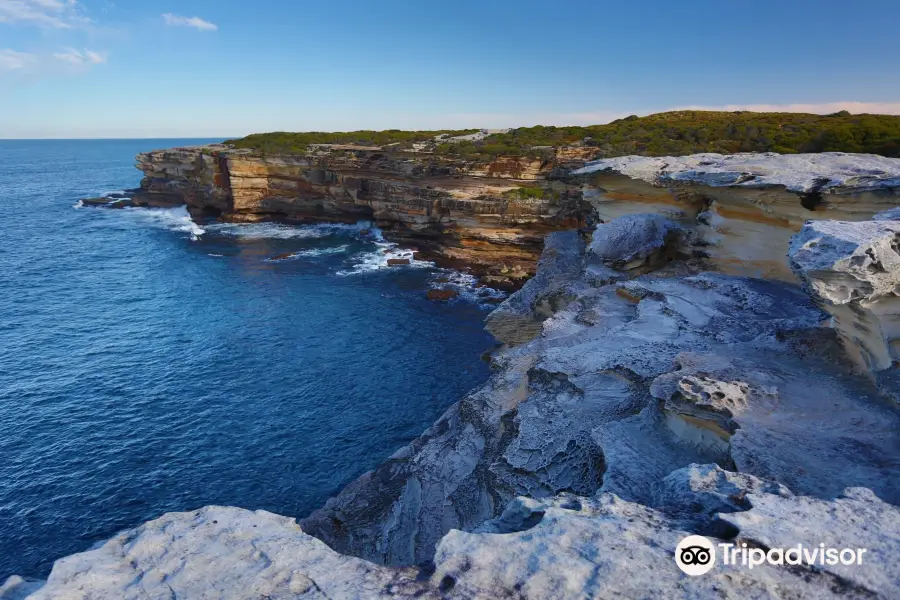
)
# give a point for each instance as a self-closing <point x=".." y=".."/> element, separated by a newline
<point x="671" y="133"/>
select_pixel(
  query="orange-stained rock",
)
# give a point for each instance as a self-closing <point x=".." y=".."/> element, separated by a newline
<point x="442" y="295"/>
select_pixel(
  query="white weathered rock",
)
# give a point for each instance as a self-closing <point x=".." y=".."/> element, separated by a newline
<point x="853" y="271"/>
<point x="892" y="214"/>
<point x="633" y="241"/>
<point x="518" y="319"/>
<point x="841" y="262"/>
<point x="561" y="547"/>
<point x="823" y="172"/>
<point x="220" y="552"/>
<point x="18" y="588"/>
<point x="699" y="492"/>
<point x="858" y="519"/>
<point x="572" y="410"/>
<point x="604" y="547"/>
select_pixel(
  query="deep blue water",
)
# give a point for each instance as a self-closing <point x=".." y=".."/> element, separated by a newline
<point x="145" y="369"/>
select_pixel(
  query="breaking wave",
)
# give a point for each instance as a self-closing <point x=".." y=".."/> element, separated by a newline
<point x="467" y="286"/>
<point x="309" y="253"/>
<point x="377" y="259"/>
<point x="173" y="219"/>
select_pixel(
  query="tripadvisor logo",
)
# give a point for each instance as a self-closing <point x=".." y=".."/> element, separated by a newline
<point x="696" y="555"/>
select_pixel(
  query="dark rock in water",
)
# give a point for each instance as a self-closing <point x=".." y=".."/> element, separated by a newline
<point x="282" y="256"/>
<point x="397" y="261"/>
<point x="499" y="282"/>
<point x="113" y="200"/>
<point x="94" y="201"/>
<point x="444" y="294"/>
<point x="365" y="231"/>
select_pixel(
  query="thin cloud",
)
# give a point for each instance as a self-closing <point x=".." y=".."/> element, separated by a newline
<point x="10" y="60"/>
<point x="80" y="58"/>
<point x="195" y="22"/>
<point x="56" y="14"/>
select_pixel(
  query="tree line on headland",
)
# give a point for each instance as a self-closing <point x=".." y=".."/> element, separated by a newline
<point x="670" y="133"/>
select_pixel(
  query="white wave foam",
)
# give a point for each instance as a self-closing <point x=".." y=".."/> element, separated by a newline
<point x="281" y="231"/>
<point x="366" y="262"/>
<point x="78" y="204"/>
<point x="466" y="284"/>
<point x="309" y="253"/>
<point x="109" y="193"/>
<point x="173" y="219"/>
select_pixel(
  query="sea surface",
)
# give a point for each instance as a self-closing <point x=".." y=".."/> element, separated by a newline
<point x="149" y="364"/>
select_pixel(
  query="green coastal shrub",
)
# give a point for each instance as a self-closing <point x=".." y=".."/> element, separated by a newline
<point x="671" y="133"/>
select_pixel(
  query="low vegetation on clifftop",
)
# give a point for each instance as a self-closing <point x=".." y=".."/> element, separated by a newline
<point x="671" y="133"/>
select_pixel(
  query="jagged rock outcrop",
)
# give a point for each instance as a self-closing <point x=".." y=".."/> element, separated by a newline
<point x="605" y="547"/>
<point x="853" y="271"/>
<point x="519" y="318"/>
<point x="563" y="547"/>
<point x="628" y="382"/>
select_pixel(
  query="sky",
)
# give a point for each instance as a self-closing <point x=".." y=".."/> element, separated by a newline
<point x="224" y="68"/>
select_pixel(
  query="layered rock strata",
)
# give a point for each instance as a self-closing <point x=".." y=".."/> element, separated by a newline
<point x="492" y="217"/>
<point x="458" y="212"/>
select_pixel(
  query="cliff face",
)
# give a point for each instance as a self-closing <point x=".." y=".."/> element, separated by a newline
<point x="453" y="211"/>
<point x="492" y="217"/>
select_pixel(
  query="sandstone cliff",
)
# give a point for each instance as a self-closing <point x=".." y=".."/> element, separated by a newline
<point x="648" y="389"/>
<point x="459" y="212"/>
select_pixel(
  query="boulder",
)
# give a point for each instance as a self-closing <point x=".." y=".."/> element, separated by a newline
<point x="392" y="262"/>
<point x="634" y="241"/>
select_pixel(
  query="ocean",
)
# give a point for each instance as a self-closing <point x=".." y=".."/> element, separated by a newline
<point x="149" y="364"/>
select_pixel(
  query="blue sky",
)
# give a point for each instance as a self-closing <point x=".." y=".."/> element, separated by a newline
<point x="99" y="68"/>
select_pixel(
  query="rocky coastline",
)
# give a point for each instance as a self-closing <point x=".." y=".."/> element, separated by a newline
<point x="710" y="345"/>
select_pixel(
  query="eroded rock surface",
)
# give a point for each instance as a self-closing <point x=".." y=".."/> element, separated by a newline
<point x="628" y="382"/>
<point x="820" y="172"/>
<point x="853" y="271"/>
<point x="566" y="546"/>
<point x="743" y="208"/>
